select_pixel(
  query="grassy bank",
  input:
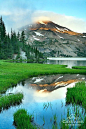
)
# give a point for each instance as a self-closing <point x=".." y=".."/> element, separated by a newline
<point x="22" y="120"/>
<point x="12" y="73"/>
<point x="10" y="100"/>
<point x="79" y="67"/>
<point x="40" y="60"/>
<point x="77" y="95"/>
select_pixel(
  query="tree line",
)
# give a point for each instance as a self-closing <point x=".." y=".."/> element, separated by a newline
<point x="13" y="44"/>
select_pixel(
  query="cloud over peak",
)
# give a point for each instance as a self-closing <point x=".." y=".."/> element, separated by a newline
<point x="18" y="17"/>
<point x="73" y="23"/>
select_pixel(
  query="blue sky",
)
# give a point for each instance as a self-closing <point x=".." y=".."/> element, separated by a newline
<point x="69" y="13"/>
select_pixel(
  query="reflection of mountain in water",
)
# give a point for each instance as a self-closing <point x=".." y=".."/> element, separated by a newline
<point x="42" y="104"/>
<point x="47" y="88"/>
<point x="52" y="82"/>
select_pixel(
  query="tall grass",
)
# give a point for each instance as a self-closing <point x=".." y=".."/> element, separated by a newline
<point x="79" y="67"/>
<point x="22" y="120"/>
<point x="8" y="100"/>
<point x="77" y="95"/>
<point x="12" y="73"/>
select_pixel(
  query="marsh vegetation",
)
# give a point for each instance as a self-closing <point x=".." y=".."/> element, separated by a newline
<point x="22" y="120"/>
<point x="9" y="100"/>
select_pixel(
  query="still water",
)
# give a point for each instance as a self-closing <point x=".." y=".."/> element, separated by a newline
<point x="68" y="61"/>
<point x="45" y="106"/>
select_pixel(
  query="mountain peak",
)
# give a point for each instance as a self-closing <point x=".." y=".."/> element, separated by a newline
<point x="54" y="40"/>
<point x="49" y="25"/>
<point x="43" y="22"/>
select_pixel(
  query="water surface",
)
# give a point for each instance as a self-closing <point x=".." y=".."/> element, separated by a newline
<point x="67" y="61"/>
<point x="45" y="106"/>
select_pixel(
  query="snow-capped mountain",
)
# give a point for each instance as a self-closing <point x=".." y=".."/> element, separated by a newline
<point x="55" y="40"/>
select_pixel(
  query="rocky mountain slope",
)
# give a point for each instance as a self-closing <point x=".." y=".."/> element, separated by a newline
<point x="55" y="40"/>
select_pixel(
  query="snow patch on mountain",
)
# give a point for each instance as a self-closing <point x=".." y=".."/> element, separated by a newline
<point x="60" y="37"/>
<point x="42" y="22"/>
<point x="78" y="39"/>
<point x="39" y="34"/>
<point x="60" y="29"/>
<point x="66" y="29"/>
<point x="36" y="38"/>
<point x="57" y="28"/>
<point x="23" y="55"/>
<point x="38" y="80"/>
<point x="83" y="36"/>
<point x="33" y="36"/>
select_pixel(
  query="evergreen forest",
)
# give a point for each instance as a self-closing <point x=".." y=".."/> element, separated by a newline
<point x="12" y="44"/>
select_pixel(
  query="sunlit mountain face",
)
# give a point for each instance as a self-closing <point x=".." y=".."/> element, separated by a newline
<point x="55" y="40"/>
<point x="49" y="25"/>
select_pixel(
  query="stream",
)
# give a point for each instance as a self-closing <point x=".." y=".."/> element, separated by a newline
<point x="45" y="99"/>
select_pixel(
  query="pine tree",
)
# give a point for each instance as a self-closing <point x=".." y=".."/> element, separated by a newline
<point x="18" y="36"/>
<point x="2" y="29"/>
<point x="22" y="39"/>
<point x="0" y="50"/>
<point x="10" y="48"/>
<point x="10" y="45"/>
<point x="15" y="42"/>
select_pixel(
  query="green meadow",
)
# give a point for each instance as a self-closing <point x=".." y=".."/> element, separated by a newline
<point x="12" y="73"/>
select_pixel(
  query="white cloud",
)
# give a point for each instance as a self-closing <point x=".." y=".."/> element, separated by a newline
<point x="73" y="23"/>
<point x="18" y="17"/>
<point x="5" y="13"/>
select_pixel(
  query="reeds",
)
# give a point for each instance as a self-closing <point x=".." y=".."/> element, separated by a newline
<point x="77" y="95"/>
<point x="22" y="120"/>
<point x="79" y="67"/>
<point x="10" y="100"/>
